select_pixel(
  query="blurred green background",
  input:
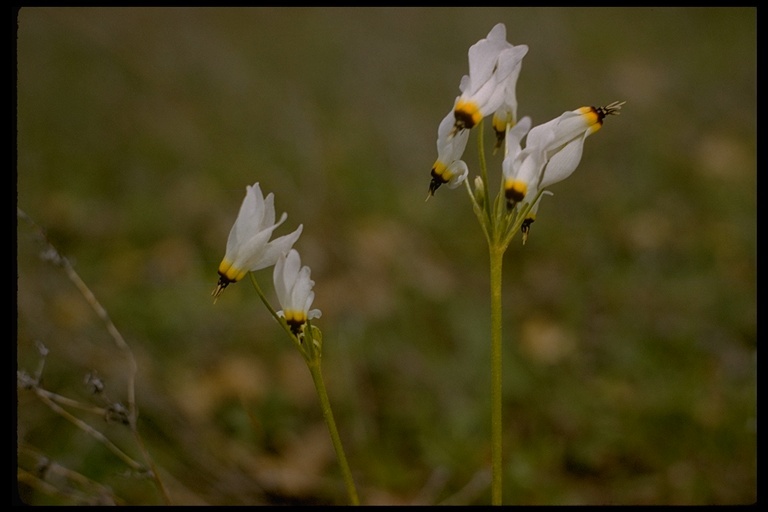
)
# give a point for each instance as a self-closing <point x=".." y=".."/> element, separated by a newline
<point x="630" y="314"/>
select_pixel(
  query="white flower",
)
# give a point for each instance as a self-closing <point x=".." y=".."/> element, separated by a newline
<point x="506" y="114"/>
<point x="520" y="166"/>
<point x="553" y="151"/>
<point x="521" y="173"/>
<point x="449" y="168"/>
<point x="294" y="291"/>
<point x="248" y="245"/>
<point x="494" y="65"/>
<point x="514" y="137"/>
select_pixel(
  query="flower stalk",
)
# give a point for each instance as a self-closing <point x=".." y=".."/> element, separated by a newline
<point x="496" y="253"/>
<point x="325" y="404"/>
<point x="249" y="249"/>
<point x="309" y="344"/>
<point x="495" y="223"/>
<point x="552" y="152"/>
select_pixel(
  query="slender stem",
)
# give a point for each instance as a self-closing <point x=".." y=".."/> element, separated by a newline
<point x="317" y="377"/>
<point x="496" y="257"/>
<point x="277" y="317"/>
<point x="85" y="427"/>
<point x="518" y="220"/>
<point x="483" y="171"/>
<point x="133" y="411"/>
<point x="479" y="211"/>
<point x="496" y="246"/>
<point x="312" y="355"/>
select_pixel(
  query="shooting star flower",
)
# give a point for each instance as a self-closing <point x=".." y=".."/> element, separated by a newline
<point x="494" y="65"/>
<point x="248" y="245"/>
<point x="293" y="287"/>
<point x="449" y="168"/>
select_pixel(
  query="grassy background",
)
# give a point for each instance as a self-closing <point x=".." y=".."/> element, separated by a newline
<point x="630" y="315"/>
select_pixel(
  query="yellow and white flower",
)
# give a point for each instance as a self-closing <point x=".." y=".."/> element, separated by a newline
<point x="449" y="168"/>
<point x="553" y="151"/>
<point x="506" y="115"/>
<point x="494" y="65"/>
<point x="293" y="287"/>
<point x="248" y="245"/>
<point x="521" y="172"/>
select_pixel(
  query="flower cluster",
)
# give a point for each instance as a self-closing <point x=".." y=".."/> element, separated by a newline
<point x="249" y="249"/>
<point x="552" y="150"/>
<point x="490" y="87"/>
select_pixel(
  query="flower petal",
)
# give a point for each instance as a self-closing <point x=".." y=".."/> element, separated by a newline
<point x="275" y="248"/>
<point x="564" y="162"/>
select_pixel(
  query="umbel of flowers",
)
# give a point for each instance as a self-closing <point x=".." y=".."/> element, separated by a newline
<point x="552" y="150"/>
<point x="550" y="153"/>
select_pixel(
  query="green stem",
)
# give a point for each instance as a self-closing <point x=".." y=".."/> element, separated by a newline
<point x="483" y="171"/>
<point x="317" y="377"/>
<point x="496" y="257"/>
<point x="518" y="220"/>
<point x="277" y="317"/>
<point x="312" y="356"/>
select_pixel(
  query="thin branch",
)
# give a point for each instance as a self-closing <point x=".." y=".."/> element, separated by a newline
<point x="85" y="427"/>
<point x="53" y="254"/>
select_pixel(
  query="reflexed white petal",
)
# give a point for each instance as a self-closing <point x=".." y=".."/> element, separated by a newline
<point x="541" y="135"/>
<point x="488" y="97"/>
<point x="308" y="299"/>
<point x="459" y="171"/>
<point x="508" y="167"/>
<point x="247" y="221"/>
<point x="258" y="252"/>
<point x="569" y="126"/>
<point x="450" y="147"/>
<point x="463" y="85"/>
<point x="444" y="130"/>
<point x="279" y="280"/>
<point x="483" y="56"/>
<point x="275" y="248"/>
<point x="508" y="106"/>
<point x="255" y="207"/>
<point x="454" y="149"/>
<point x="530" y="168"/>
<point x="564" y="162"/>
<point x="291" y="273"/>
<point x="515" y="136"/>
<point x="302" y="287"/>
<point x="249" y="232"/>
<point x="489" y="103"/>
<point x="249" y="251"/>
<point x="269" y="211"/>
<point x="498" y="33"/>
<point x="510" y="61"/>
